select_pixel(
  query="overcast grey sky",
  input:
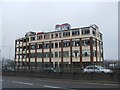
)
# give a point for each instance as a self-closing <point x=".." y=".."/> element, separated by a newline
<point x="19" y="18"/>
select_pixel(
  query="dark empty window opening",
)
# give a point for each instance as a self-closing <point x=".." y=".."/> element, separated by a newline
<point x="66" y="44"/>
<point x="32" y="38"/>
<point x="85" y="42"/>
<point x="66" y="34"/>
<point x="94" y="33"/>
<point x="39" y="46"/>
<point x="52" y="35"/>
<point x="74" y="33"/>
<point x="39" y="37"/>
<point x="85" y="31"/>
<point x="46" y="46"/>
<point x="56" y="45"/>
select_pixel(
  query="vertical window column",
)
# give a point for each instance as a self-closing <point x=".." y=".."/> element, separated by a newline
<point x="42" y="52"/>
<point x="50" y="51"/>
<point x="29" y="56"/>
<point x="70" y="51"/>
<point x="15" y="52"/>
<point x="62" y="53"/>
<point x="22" y="52"/>
<point x="80" y="40"/>
<point x="26" y="53"/>
<point x="91" y="50"/>
<point x="36" y="56"/>
<point x="96" y="52"/>
<point x="19" y="55"/>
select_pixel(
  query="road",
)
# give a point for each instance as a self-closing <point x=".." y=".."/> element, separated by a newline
<point x="30" y="82"/>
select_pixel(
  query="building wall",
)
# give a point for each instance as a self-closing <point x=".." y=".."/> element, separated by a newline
<point x="28" y="51"/>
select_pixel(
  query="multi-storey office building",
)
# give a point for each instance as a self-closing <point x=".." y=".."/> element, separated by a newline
<point x="63" y="47"/>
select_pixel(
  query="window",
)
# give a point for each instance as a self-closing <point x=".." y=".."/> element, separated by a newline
<point x="94" y="53"/>
<point x="66" y="34"/>
<point x="56" y="35"/>
<point x="76" y="43"/>
<point x="56" y="54"/>
<point x="56" y="45"/>
<point x="39" y="46"/>
<point x="85" y="42"/>
<point x="33" y="38"/>
<point x="85" y="31"/>
<point x="59" y="54"/>
<point x="101" y="45"/>
<point x="101" y="36"/>
<point x="46" y="54"/>
<point x="76" y="32"/>
<point x="32" y="55"/>
<point x="94" y="42"/>
<point x="66" y="54"/>
<point x="52" y="35"/>
<point x="39" y="55"/>
<point x="86" y="53"/>
<point x="76" y="53"/>
<point x="60" y="44"/>
<point x="94" y="33"/>
<point x="66" y="43"/>
<point x="59" y="35"/>
<point x="46" y="46"/>
<point x="46" y="36"/>
<point x="52" y="46"/>
<point x="39" y="37"/>
<point x="33" y="47"/>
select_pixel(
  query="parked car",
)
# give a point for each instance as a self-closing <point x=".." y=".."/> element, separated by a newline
<point x="97" y="69"/>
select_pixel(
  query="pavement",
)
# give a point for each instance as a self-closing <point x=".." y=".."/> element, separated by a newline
<point x="31" y="82"/>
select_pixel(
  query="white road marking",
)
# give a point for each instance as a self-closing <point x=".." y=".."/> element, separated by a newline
<point x="26" y="83"/>
<point x="22" y="83"/>
<point x="14" y="82"/>
<point x="51" y="86"/>
<point x="102" y="84"/>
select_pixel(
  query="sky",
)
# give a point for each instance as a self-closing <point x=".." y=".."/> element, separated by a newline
<point x="21" y="17"/>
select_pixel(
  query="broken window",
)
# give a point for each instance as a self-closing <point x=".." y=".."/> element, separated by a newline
<point x="39" y="37"/>
<point x="66" y="34"/>
<point x="32" y="55"/>
<point x="76" y="43"/>
<point x="85" y="31"/>
<point x="59" y="35"/>
<point x="56" y="54"/>
<point x="66" y="43"/>
<point x="85" y="42"/>
<point x="66" y="54"/>
<point x="46" y="36"/>
<point x="86" y="53"/>
<point x="33" y="38"/>
<point x="33" y="47"/>
<point x="39" y="46"/>
<point x="56" y="35"/>
<point x="46" y="54"/>
<point x="39" y="55"/>
<point x="52" y="35"/>
<point x="94" y="32"/>
<point x="75" y="53"/>
<point x="60" y="54"/>
<point x="76" y="32"/>
<point x="56" y="45"/>
<point x="46" y="46"/>
<point x="94" y="42"/>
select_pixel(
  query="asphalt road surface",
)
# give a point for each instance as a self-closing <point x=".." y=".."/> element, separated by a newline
<point x="28" y="82"/>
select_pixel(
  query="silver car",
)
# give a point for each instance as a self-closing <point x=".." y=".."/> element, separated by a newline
<point x="97" y="69"/>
